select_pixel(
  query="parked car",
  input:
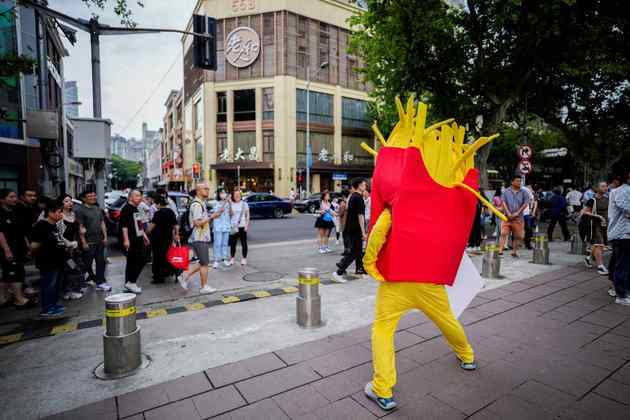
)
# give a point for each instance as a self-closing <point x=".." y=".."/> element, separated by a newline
<point x="267" y="205"/>
<point x="311" y="204"/>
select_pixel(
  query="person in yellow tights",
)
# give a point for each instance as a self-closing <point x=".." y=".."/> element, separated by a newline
<point x="414" y="247"/>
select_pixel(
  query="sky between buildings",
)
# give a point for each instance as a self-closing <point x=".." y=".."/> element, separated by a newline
<point x="131" y="65"/>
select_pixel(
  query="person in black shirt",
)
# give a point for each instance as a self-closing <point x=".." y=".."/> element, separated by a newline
<point x="354" y="230"/>
<point x="50" y="253"/>
<point x="162" y="231"/>
<point x="69" y="229"/>
<point x="29" y="209"/>
<point x="135" y="241"/>
<point x="14" y="248"/>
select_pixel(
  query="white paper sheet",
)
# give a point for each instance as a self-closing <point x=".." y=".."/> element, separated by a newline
<point x="468" y="283"/>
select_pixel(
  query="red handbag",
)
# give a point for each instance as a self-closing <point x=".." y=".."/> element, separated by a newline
<point x="178" y="257"/>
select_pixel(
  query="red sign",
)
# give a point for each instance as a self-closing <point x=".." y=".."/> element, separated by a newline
<point x="525" y="151"/>
<point x="196" y="168"/>
<point x="525" y="167"/>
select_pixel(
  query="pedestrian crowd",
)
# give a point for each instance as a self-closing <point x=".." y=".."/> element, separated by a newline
<point x="601" y="215"/>
<point x="65" y="241"/>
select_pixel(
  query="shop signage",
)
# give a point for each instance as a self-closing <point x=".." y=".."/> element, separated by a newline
<point x="240" y="154"/>
<point x="323" y="155"/>
<point x="242" y="47"/>
<point x="340" y="176"/>
<point x="348" y="157"/>
<point x="225" y="155"/>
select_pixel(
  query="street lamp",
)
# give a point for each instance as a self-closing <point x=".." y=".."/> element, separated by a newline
<point x="308" y="123"/>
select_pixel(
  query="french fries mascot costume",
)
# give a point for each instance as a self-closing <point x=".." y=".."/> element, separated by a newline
<point x="424" y="193"/>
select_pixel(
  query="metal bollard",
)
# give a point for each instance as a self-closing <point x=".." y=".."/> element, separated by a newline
<point x="541" y="249"/>
<point x="578" y="247"/>
<point x="121" y="340"/>
<point x="491" y="263"/>
<point x="309" y="303"/>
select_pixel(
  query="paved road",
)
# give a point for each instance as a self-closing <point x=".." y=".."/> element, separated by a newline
<point x="291" y="228"/>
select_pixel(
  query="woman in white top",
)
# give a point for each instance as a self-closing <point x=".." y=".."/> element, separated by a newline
<point x="239" y="223"/>
<point x="325" y="222"/>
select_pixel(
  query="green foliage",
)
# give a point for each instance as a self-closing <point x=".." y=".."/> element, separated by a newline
<point x="125" y="172"/>
<point x="485" y="58"/>
<point x="12" y="65"/>
<point x="121" y="9"/>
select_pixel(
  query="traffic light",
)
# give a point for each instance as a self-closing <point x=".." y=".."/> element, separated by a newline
<point x="205" y="49"/>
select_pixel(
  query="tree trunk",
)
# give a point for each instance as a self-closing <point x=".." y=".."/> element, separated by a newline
<point x="481" y="159"/>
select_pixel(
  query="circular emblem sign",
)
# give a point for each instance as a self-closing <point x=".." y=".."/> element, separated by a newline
<point x="242" y="47"/>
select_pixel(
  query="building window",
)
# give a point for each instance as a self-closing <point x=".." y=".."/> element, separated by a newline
<point x="355" y="114"/>
<point x="221" y="107"/>
<point x="321" y="147"/>
<point x="199" y="150"/>
<point x="245" y="105"/>
<point x="321" y="107"/>
<point x="244" y="141"/>
<point x="268" y="44"/>
<point x="198" y="115"/>
<point x="268" y="139"/>
<point x="222" y="143"/>
<point x="267" y="103"/>
<point x="220" y="73"/>
<point x="324" y="49"/>
<point x="353" y="154"/>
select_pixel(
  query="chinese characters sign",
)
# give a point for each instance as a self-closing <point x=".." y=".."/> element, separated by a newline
<point x="242" y="47"/>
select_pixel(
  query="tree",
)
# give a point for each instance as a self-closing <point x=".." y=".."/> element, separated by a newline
<point x="125" y="172"/>
<point x="588" y="97"/>
<point x="121" y="9"/>
<point x="477" y="60"/>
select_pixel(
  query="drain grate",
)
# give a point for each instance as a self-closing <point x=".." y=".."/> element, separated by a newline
<point x="263" y="276"/>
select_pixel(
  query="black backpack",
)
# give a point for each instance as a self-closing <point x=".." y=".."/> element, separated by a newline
<point x="185" y="228"/>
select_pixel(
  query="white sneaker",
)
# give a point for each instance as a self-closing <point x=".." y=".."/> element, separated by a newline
<point x="133" y="288"/>
<point x="327" y="250"/>
<point x="72" y="296"/>
<point x="337" y="278"/>
<point x="602" y="271"/>
<point x="31" y="291"/>
<point x="612" y="292"/>
<point x="230" y="263"/>
<point x="623" y="301"/>
<point x="104" y="287"/>
<point x="182" y="282"/>
<point x="322" y="251"/>
<point x="226" y="263"/>
<point x="244" y="261"/>
<point x="215" y="265"/>
<point x="206" y="290"/>
<point x="91" y="283"/>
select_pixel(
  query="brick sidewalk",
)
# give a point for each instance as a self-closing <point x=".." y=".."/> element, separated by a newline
<point x="552" y="346"/>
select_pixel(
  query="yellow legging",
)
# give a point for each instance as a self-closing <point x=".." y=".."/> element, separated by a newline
<point x="392" y="301"/>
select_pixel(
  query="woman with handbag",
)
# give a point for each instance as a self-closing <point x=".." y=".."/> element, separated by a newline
<point x="239" y="224"/>
<point x="325" y="222"/>
<point x="162" y="231"/>
<point x="69" y="229"/>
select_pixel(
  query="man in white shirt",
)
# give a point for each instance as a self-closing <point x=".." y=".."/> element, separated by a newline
<point x="574" y="199"/>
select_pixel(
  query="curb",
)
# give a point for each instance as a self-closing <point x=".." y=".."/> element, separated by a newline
<point x="20" y="334"/>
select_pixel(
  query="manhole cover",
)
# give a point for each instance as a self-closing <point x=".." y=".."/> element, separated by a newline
<point x="263" y="276"/>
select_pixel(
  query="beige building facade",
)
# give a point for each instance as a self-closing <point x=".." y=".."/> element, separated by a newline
<point x="245" y="123"/>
